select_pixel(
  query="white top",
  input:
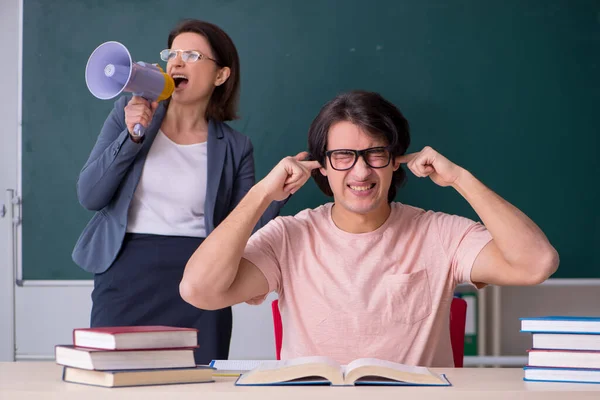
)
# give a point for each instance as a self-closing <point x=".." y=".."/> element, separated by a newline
<point x="170" y="196"/>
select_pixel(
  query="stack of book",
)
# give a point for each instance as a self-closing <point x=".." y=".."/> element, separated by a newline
<point x="565" y="349"/>
<point x="132" y="356"/>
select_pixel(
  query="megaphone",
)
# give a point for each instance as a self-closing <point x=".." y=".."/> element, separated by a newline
<point x="110" y="71"/>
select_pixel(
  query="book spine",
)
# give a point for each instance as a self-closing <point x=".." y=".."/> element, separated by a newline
<point x="471" y="324"/>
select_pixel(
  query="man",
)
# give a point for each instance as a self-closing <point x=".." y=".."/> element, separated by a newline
<point x="365" y="276"/>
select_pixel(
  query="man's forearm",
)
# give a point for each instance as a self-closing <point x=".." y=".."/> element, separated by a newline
<point x="214" y="265"/>
<point x="521" y="241"/>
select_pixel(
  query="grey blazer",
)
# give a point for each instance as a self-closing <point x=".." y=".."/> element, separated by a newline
<point x="110" y="176"/>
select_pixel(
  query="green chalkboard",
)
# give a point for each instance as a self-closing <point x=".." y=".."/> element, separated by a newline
<point x="508" y="89"/>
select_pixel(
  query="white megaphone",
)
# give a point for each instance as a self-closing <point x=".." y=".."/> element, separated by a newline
<point x="110" y="71"/>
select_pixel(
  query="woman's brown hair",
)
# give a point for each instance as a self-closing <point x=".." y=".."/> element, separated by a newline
<point x="223" y="104"/>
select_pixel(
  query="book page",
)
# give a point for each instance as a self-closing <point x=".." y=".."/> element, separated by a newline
<point x="280" y="364"/>
<point x="369" y="367"/>
<point x="274" y="371"/>
<point x="370" y="362"/>
<point x="236" y="365"/>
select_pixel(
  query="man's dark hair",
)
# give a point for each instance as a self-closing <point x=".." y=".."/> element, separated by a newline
<point x="369" y="111"/>
<point x="223" y="103"/>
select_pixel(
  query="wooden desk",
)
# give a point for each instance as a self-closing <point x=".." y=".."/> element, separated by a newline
<point x="42" y="380"/>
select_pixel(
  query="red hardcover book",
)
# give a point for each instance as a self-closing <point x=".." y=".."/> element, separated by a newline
<point x="135" y="337"/>
<point x="98" y="359"/>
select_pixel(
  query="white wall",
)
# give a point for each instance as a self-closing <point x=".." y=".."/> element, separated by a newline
<point x="542" y="300"/>
<point x="9" y="29"/>
<point x="54" y="311"/>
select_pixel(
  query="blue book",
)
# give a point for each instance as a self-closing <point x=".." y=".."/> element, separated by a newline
<point x="566" y="341"/>
<point x="325" y="371"/>
<point x="573" y="375"/>
<point x="561" y="324"/>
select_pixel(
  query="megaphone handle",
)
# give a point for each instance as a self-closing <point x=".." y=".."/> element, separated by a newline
<point x="138" y="130"/>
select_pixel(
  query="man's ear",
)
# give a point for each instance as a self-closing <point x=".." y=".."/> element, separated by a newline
<point x="222" y="76"/>
<point x="395" y="164"/>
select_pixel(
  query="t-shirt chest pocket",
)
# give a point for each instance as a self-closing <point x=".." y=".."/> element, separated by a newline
<point x="408" y="297"/>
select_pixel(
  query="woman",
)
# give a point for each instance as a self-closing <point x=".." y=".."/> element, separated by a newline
<point x="159" y="195"/>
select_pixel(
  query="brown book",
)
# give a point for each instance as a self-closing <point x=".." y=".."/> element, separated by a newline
<point x="98" y="359"/>
<point x="135" y="337"/>
<point x="199" y="374"/>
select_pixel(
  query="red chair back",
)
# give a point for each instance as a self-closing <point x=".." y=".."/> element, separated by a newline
<point x="277" y="327"/>
<point x="458" y="319"/>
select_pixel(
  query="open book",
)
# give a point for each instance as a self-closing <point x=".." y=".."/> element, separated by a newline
<point x="323" y="370"/>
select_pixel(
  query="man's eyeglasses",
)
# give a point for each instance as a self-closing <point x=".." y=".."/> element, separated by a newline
<point x="186" y="55"/>
<point x="345" y="159"/>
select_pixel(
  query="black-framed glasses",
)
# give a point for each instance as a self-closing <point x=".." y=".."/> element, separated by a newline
<point x="186" y="55"/>
<point x="345" y="159"/>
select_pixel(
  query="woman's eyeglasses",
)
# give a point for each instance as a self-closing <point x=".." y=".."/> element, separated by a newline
<point x="186" y="55"/>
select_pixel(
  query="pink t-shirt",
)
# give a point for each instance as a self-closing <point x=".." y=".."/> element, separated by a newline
<point x="383" y="294"/>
